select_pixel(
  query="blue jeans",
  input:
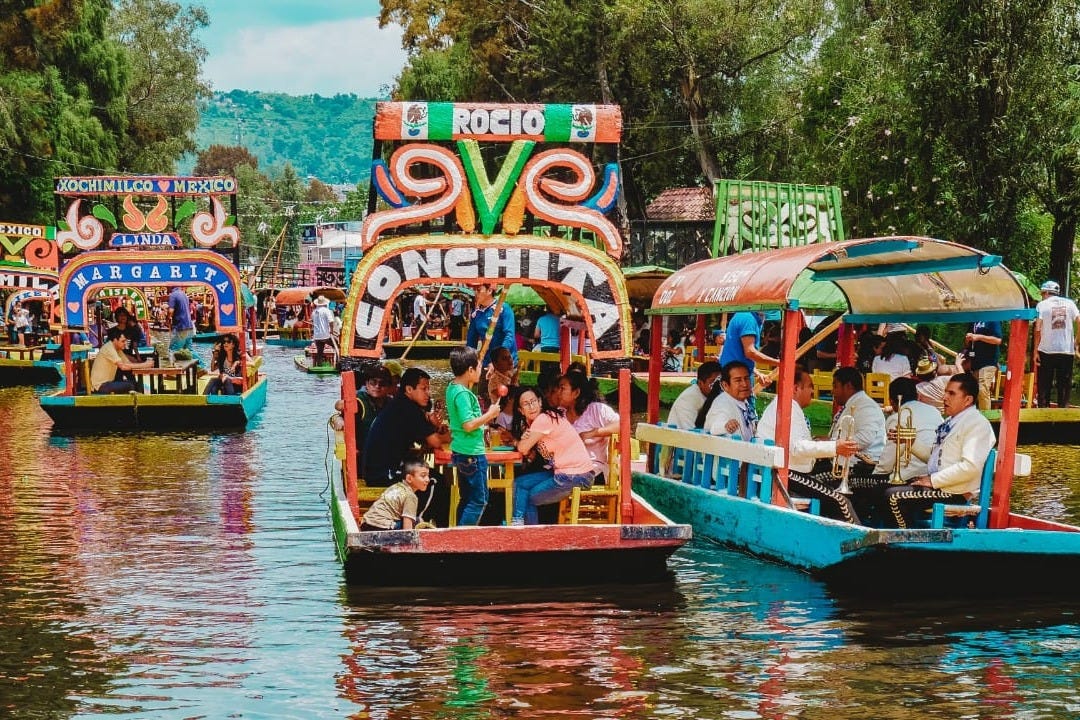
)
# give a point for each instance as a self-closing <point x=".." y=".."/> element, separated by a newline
<point x="182" y="340"/>
<point x="542" y="488"/>
<point x="217" y="385"/>
<point x="472" y="477"/>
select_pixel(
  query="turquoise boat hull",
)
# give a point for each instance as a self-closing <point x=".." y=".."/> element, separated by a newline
<point x="870" y="561"/>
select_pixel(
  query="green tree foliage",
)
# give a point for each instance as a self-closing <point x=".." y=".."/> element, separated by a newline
<point x="324" y="137"/>
<point x="223" y="160"/>
<point x="62" y="82"/>
<point x="165" y="57"/>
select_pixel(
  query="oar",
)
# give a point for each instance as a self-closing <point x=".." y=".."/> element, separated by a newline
<point x="491" y="328"/>
<point x="935" y="343"/>
<point x="420" y="330"/>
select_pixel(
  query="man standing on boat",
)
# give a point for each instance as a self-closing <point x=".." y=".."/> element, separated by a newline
<point x="482" y="318"/>
<point x="803" y="451"/>
<point x="955" y="467"/>
<point x="183" y="329"/>
<point x="322" y="319"/>
<point x="457" y="317"/>
<point x="1057" y="339"/>
<point x="731" y="413"/>
<point x="743" y="337"/>
<point x="984" y="350"/>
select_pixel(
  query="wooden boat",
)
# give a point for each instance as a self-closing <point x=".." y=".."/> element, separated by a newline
<point x="421" y="349"/>
<point x="147" y="251"/>
<point x="306" y="363"/>
<point x="987" y="548"/>
<point x="28" y="262"/>
<point x="624" y="539"/>
<point x="296" y="297"/>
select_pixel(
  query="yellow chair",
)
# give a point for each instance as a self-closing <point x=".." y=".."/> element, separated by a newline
<point x="876" y="386"/>
<point x="822" y="383"/>
<point x="1029" y="389"/>
<point x="500" y="477"/>
<point x="600" y="503"/>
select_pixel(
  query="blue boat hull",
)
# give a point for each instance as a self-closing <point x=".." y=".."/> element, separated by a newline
<point x="870" y="561"/>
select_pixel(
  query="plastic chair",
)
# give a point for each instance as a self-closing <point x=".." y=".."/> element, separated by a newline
<point x="943" y="515"/>
<point x="876" y="386"/>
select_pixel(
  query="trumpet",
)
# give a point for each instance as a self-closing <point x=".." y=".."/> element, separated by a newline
<point x="842" y="465"/>
<point x="905" y="438"/>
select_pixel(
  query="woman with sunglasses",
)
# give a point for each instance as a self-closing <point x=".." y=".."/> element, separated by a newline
<point x="551" y="436"/>
<point x="225" y="361"/>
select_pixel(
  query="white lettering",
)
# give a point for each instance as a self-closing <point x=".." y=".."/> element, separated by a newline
<point x="384" y="281"/>
<point x="416" y="265"/>
<point x="462" y="263"/>
<point x="500" y="121"/>
<point x="136" y="272"/>
<point x="460" y="121"/>
<point x="174" y="272"/>
<point x="604" y="315"/>
<point x="155" y="273"/>
<point x="532" y="122"/>
<point x="502" y="262"/>
<point x="80" y="281"/>
<point x="114" y="272"/>
<point x="368" y="320"/>
<point x="96" y="274"/>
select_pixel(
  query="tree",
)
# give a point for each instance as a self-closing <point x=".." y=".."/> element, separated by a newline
<point x="165" y="56"/>
<point x="318" y="192"/>
<point x="223" y="160"/>
<point x="62" y="83"/>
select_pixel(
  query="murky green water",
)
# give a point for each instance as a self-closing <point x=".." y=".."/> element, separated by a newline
<point x="193" y="576"/>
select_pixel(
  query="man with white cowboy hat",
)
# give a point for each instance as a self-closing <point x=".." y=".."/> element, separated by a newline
<point x="322" y="320"/>
<point x="1057" y="339"/>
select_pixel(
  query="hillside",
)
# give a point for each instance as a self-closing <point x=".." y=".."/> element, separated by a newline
<point x="327" y="137"/>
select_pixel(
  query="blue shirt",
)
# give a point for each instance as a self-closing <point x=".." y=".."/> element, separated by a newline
<point x="548" y="326"/>
<point x="986" y="354"/>
<point x="739" y="326"/>
<point x="504" y="331"/>
<point x="181" y="310"/>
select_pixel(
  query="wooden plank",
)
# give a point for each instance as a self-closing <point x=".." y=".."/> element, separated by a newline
<point x="753" y="453"/>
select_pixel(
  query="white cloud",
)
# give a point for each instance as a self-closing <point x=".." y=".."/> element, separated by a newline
<point x="347" y="56"/>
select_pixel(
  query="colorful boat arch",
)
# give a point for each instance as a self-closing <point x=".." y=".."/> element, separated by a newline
<point x="587" y="275"/>
<point x="92" y="271"/>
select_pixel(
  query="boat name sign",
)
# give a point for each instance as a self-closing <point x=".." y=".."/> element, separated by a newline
<point x="497" y="264"/>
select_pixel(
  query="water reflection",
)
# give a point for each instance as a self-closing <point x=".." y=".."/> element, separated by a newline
<point x="191" y="575"/>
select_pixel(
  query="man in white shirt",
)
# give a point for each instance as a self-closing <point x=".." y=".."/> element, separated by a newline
<point x="731" y="412"/>
<point x="322" y="320"/>
<point x="1057" y="339"/>
<point x="419" y="311"/>
<point x="955" y="466"/>
<point x="684" y="410"/>
<point x="803" y="450"/>
<point x="869" y="426"/>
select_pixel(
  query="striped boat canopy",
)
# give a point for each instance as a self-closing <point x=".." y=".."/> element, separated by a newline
<point x="916" y="279"/>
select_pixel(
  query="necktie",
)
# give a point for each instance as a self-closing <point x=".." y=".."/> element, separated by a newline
<point x="749" y="421"/>
<point x="933" y="464"/>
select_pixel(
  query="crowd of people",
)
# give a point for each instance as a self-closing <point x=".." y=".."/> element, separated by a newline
<point x="561" y="428"/>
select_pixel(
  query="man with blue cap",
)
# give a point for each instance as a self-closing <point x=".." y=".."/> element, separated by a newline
<point x="1057" y="334"/>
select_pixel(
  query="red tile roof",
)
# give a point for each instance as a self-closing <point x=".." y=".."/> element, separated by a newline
<point x="686" y="204"/>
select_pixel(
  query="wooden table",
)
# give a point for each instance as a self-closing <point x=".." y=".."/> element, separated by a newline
<point x="185" y="372"/>
<point x="495" y="457"/>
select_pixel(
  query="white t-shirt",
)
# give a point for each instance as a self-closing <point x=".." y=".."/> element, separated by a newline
<point x="685" y="409"/>
<point x="419" y="309"/>
<point x="896" y="366"/>
<point x="1057" y="320"/>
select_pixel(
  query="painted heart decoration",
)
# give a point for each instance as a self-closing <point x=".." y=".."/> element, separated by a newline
<point x="227" y="309"/>
<point x="163" y="185"/>
<point x="74" y="306"/>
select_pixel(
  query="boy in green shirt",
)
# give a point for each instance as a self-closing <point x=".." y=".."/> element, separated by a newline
<point x="467" y="433"/>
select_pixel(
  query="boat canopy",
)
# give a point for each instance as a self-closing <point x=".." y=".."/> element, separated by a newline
<point x="297" y="295"/>
<point x="918" y="279"/>
<point x="642" y="280"/>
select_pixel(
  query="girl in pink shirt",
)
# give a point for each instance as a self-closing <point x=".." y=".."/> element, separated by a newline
<point x="554" y="438"/>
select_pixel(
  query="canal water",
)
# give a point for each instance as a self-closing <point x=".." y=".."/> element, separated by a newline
<point x="193" y="576"/>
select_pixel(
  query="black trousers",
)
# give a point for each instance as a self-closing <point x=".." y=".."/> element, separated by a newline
<point x="909" y="504"/>
<point x="1055" y="368"/>
<point x="823" y="486"/>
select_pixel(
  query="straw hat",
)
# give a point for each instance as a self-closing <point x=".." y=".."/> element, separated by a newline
<point x="321" y="300"/>
<point x="394" y="367"/>
<point x="926" y="366"/>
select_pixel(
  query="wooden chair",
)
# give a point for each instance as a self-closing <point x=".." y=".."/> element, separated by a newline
<point x="600" y="503"/>
<point x="876" y="386"/>
<point x="975" y="514"/>
<point x="822" y="384"/>
<point x="1029" y="389"/>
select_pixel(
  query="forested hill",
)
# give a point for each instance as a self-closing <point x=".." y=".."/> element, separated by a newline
<point x="327" y="137"/>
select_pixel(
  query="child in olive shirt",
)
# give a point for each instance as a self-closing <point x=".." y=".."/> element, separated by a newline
<point x="467" y="434"/>
<point x="396" y="508"/>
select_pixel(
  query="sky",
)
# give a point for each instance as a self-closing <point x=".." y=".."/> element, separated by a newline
<point x="300" y="47"/>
